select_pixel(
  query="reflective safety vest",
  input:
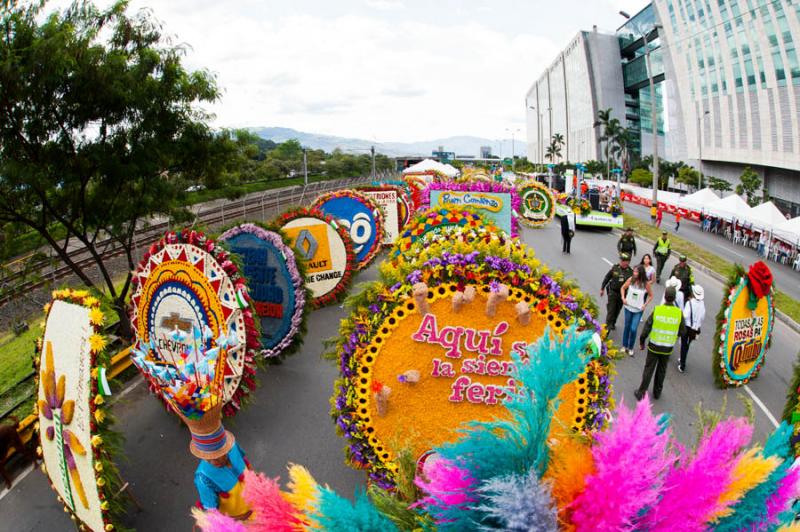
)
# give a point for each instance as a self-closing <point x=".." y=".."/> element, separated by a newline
<point x="666" y="325"/>
<point x="662" y="246"/>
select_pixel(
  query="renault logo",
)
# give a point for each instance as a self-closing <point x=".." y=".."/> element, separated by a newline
<point x="306" y="245"/>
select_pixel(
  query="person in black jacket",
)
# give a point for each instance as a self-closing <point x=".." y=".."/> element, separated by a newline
<point x="567" y="230"/>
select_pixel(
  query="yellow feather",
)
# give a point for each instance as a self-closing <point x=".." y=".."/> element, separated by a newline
<point x="568" y="468"/>
<point x="78" y="486"/>
<point x="75" y="444"/>
<point x="303" y="493"/>
<point x="750" y="470"/>
<point x="794" y="527"/>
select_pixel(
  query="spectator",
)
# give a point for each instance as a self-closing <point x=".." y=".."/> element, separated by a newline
<point x="694" y="312"/>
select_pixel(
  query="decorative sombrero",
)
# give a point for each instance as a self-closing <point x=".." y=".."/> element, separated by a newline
<point x="210" y="440"/>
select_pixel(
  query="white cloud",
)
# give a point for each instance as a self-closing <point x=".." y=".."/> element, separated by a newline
<point x="387" y="5"/>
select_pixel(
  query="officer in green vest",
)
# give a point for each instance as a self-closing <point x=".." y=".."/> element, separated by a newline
<point x="662" y="250"/>
<point x="684" y="272"/>
<point x="614" y="279"/>
<point x="627" y="243"/>
<point x="664" y="326"/>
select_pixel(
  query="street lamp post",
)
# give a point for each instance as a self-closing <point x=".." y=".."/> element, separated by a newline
<point x="513" y="154"/>
<point x="653" y="104"/>
<point x="700" y="145"/>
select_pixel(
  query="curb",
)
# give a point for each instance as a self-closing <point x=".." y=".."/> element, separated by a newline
<point x="789" y="322"/>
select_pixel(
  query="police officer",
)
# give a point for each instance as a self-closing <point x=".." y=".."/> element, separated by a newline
<point x="662" y="250"/>
<point x="683" y="272"/>
<point x="627" y="244"/>
<point x="664" y="326"/>
<point x="614" y="279"/>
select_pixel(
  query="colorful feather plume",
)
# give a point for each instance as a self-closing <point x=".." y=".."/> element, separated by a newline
<point x="779" y="505"/>
<point x="630" y="459"/>
<point x="751" y="469"/>
<point x="514" y="446"/>
<point x="303" y="489"/>
<point x="213" y="521"/>
<point x="450" y="493"/>
<point x="271" y="510"/>
<point x="693" y="486"/>
<point x="571" y="462"/>
<point x="518" y="503"/>
<point x="337" y="513"/>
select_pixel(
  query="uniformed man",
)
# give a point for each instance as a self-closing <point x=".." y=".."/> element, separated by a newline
<point x="614" y="279"/>
<point x="663" y="328"/>
<point x="683" y="272"/>
<point x="627" y="243"/>
<point x="662" y="250"/>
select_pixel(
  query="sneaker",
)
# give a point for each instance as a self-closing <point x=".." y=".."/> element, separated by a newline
<point x="680" y="368"/>
<point x="630" y="352"/>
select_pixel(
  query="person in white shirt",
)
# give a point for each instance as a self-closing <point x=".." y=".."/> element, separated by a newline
<point x="694" y="312"/>
<point x="636" y="294"/>
<point x="675" y="283"/>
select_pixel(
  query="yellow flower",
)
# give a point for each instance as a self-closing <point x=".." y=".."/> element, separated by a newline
<point x="97" y="343"/>
<point x="99" y="415"/>
<point x="80" y="294"/>
<point x="97" y="441"/>
<point x="96" y="316"/>
<point x="91" y="301"/>
<point x="98" y="467"/>
<point x="104" y="506"/>
<point x="101" y="482"/>
<point x="98" y="399"/>
<point x="47" y="308"/>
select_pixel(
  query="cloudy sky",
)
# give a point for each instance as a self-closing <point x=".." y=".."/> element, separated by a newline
<point x="386" y="70"/>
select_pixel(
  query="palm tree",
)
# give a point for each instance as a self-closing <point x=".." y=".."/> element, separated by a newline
<point x="603" y="119"/>
<point x="558" y="141"/>
<point x="554" y="149"/>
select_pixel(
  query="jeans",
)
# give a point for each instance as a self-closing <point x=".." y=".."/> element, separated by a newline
<point x="632" y="320"/>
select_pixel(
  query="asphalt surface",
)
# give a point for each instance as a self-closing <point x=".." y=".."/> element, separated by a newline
<point x="289" y="422"/>
<point x="786" y="279"/>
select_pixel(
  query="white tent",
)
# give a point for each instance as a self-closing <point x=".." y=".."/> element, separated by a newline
<point x="698" y="201"/>
<point x="766" y="216"/>
<point x="429" y="165"/>
<point x="729" y="208"/>
<point x="789" y="231"/>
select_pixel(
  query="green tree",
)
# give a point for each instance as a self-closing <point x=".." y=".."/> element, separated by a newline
<point x="750" y="186"/>
<point x="594" y="167"/>
<point x="689" y="176"/>
<point x="98" y="130"/>
<point x="610" y="129"/>
<point x="642" y="177"/>
<point x="558" y="142"/>
<point x="720" y="185"/>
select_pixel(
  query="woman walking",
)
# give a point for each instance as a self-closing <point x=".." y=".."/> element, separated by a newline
<point x="636" y="294"/>
<point x="694" y="312"/>
<point x="649" y="269"/>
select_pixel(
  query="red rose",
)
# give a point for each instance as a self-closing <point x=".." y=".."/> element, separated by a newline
<point x="760" y="278"/>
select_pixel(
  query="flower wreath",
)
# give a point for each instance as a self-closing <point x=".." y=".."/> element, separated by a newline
<point x="340" y="291"/>
<point x="549" y="207"/>
<point x="373" y="207"/>
<point x="247" y="384"/>
<point x="105" y="443"/>
<point x="739" y="280"/>
<point x="436" y="220"/>
<point x="403" y="202"/>
<point x="479" y="186"/>
<point x="293" y="339"/>
<point x="560" y="302"/>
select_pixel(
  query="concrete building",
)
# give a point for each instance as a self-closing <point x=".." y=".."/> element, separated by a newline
<point x="727" y="90"/>
<point x="566" y="97"/>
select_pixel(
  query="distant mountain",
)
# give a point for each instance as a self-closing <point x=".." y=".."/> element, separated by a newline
<point x="461" y="145"/>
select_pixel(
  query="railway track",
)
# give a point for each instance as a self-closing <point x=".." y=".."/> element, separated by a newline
<point x="22" y="276"/>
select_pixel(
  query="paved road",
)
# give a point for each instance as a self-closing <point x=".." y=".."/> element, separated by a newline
<point x="786" y="279"/>
<point x="289" y="420"/>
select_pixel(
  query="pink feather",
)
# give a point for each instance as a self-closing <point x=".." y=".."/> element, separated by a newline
<point x="447" y="485"/>
<point x="631" y="459"/>
<point x="271" y="511"/>
<point x="788" y="490"/>
<point x="692" y="487"/>
<point x="213" y="521"/>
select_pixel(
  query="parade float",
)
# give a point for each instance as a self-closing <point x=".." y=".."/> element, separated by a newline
<point x="76" y="441"/>
<point x="276" y="285"/>
<point x="326" y="249"/>
<point x="496" y="202"/>
<point x="744" y="325"/>
<point x="585" y="216"/>
<point x="361" y="217"/>
<point x="186" y="281"/>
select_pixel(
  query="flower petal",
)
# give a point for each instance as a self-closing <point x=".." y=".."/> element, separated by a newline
<point x="50" y="433"/>
<point x="67" y="411"/>
<point x="74" y="443"/>
<point x="45" y="409"/>
<point x="60" y="390"/>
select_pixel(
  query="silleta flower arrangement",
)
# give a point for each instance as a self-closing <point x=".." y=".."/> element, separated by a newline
<point x="381" y="306"/>
<point x="538" y="205"/>
<point x="748" y="306"/>
<point x="191" y="383"/>
<point x="58" y="409"/>
<point x="435" y="220"/>
<point x="339" y="292"/>
<point x="227" y="292"/>
<point x="291" y="341"/>
<point x="510" y="474"/>
<point x="479" y="186"/>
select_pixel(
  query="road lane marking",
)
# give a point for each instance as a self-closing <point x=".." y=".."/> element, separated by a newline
<point x="729" y="250"/>
<point x="607" y="261"/>
<point x="762" y="406"/>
